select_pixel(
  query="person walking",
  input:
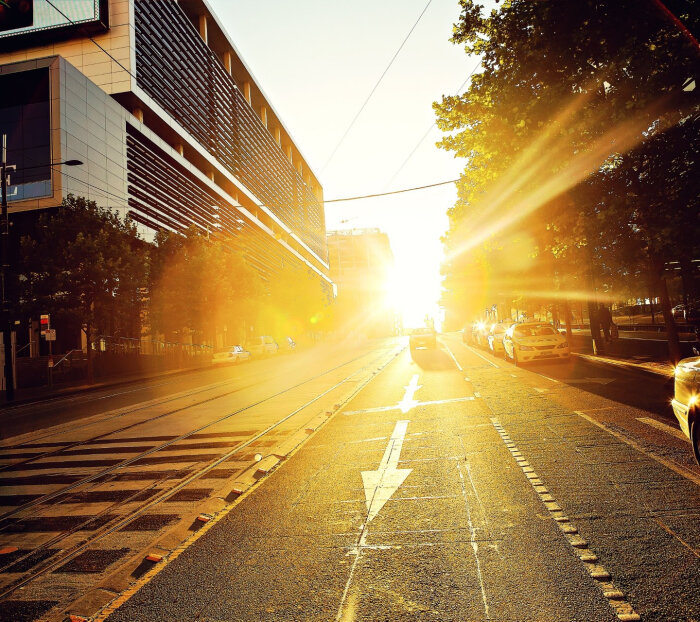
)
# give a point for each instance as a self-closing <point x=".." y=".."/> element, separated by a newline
<point x="605" y="321"/>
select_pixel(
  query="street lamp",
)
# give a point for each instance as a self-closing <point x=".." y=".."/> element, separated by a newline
<point x="5" y="266"/>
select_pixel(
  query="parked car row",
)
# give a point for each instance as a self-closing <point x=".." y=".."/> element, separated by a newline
<point x="257" y="347"/>
<point x="521" y="342"/>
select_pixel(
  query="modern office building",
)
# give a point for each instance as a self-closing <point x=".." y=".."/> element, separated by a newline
<point x="361" y="262"/>
<point x="169" y="122"/>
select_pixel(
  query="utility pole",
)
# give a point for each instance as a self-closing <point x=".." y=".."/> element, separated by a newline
<point x="4" y="276"/>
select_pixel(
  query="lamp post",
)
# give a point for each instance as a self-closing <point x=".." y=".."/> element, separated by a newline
<point x="5" y="266"/>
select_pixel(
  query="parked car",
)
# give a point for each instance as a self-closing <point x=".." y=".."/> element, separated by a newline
<point x="678" y="311"/>
<point x="691" y="313"/>
<point x="422" y="338"/>
<point x="481" y="334"/>
<point x="534" y="341"/>
<point x="686" y="400"/>
<point x="232" y="354"/>
<point x="262" y="346"/>
<point x="495" y="336"/>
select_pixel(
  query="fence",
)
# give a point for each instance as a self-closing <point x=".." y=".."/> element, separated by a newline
<point x="113" y="357"/>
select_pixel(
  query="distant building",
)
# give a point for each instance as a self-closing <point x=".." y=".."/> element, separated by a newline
<point x="361" y="262"/>
<point x="169" y="122"/>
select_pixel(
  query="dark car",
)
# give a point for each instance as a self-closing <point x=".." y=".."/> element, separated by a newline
<point x="692" y="312"/>
<point x="422" y="338"/>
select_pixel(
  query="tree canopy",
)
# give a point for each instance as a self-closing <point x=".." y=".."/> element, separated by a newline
<point x="579" y="138"/>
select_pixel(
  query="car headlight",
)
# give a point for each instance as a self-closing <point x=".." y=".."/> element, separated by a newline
<point x="526" y="347"/>
<point x="563" y="345"/>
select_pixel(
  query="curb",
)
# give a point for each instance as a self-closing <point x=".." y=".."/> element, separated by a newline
<point x="623" y="365"/>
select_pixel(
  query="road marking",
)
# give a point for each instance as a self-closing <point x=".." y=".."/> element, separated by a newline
<point x="547" y="377"/>
<point x="601" y="381"/>
<point x="540" y="390"/>
<point x="483" y="357"/>
<point x="454" y="359"/>
<point x="663" y="427"/>
<point x="408" y="402"/>
<point x="615" y="597"/>
<point x="681" y="470"/>
<point x="381" y="409"/>
<point x="467" y="379"/>
<point x="381" y="484"/>
<point x="514" y="375"/>
<point x="477" y="394"/>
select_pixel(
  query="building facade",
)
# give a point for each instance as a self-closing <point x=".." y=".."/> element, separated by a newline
<point x="361" y="263"/>
<point x="169" y="122"/>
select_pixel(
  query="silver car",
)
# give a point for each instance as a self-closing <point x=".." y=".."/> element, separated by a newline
<point x="686" y="400"/>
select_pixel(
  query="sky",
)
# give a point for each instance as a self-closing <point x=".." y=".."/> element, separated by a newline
<point x="317" y="61"/>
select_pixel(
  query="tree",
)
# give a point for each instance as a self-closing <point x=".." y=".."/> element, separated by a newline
<point x="199" y="285"/>
<point x="559" y="129"/>
<point x="84" y="264"/>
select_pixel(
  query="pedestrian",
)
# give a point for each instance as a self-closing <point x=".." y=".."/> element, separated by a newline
<point x="605" y="321"/>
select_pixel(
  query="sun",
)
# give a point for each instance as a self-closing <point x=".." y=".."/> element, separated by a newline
<point x="413" y="292"/>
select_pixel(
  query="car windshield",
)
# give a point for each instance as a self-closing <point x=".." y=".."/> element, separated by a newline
<point x="534" y="330"/>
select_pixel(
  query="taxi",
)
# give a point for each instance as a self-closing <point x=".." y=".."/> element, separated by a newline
<point x="686" y="400"/>
<point x="535" y="341"/>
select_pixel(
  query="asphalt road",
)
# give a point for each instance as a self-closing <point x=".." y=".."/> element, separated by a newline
<point x="455" y="486"/>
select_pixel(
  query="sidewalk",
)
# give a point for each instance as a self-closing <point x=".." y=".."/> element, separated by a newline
<point x="32" y="394"/>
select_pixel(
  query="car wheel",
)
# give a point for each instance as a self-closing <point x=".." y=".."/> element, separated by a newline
<point x="695" y="438"/>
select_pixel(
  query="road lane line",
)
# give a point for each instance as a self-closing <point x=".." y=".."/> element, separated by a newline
<point x="681" y="470"/>
<point x="454" y="359"/>
<point x="547" y="377"/>
<point x="663" y="427"/>
<point x="483" y="357"/>
<point x="615" y="597"/>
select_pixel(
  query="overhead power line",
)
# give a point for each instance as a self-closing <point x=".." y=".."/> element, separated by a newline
<point x="374" y="88"/>
<point x="383" y="194"/>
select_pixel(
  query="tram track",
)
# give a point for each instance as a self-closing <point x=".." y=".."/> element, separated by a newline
<point x="16" y="466"/>
<point x="117" y="522"/>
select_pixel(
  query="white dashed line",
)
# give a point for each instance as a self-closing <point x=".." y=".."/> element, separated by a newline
<point x="616" y="598"/>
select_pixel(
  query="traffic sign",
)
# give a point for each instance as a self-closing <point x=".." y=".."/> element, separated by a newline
<point x="44" y="323"/>
<point x="50" y="334"/>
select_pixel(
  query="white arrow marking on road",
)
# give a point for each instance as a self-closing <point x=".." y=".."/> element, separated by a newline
<point x="602" y="381"/>
<point x="381" y="484"/>
<point x="408" y="402"/>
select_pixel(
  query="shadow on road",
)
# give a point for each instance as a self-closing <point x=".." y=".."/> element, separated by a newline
<point x="639" y="390"/>
<point x="432" y="359"/>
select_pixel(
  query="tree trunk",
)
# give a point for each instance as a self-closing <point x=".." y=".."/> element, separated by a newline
<point x="90" y="360"/>
<point x="687" y="280"/>
<point x="674" y="346"/>
<point x="567" y="320"/>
